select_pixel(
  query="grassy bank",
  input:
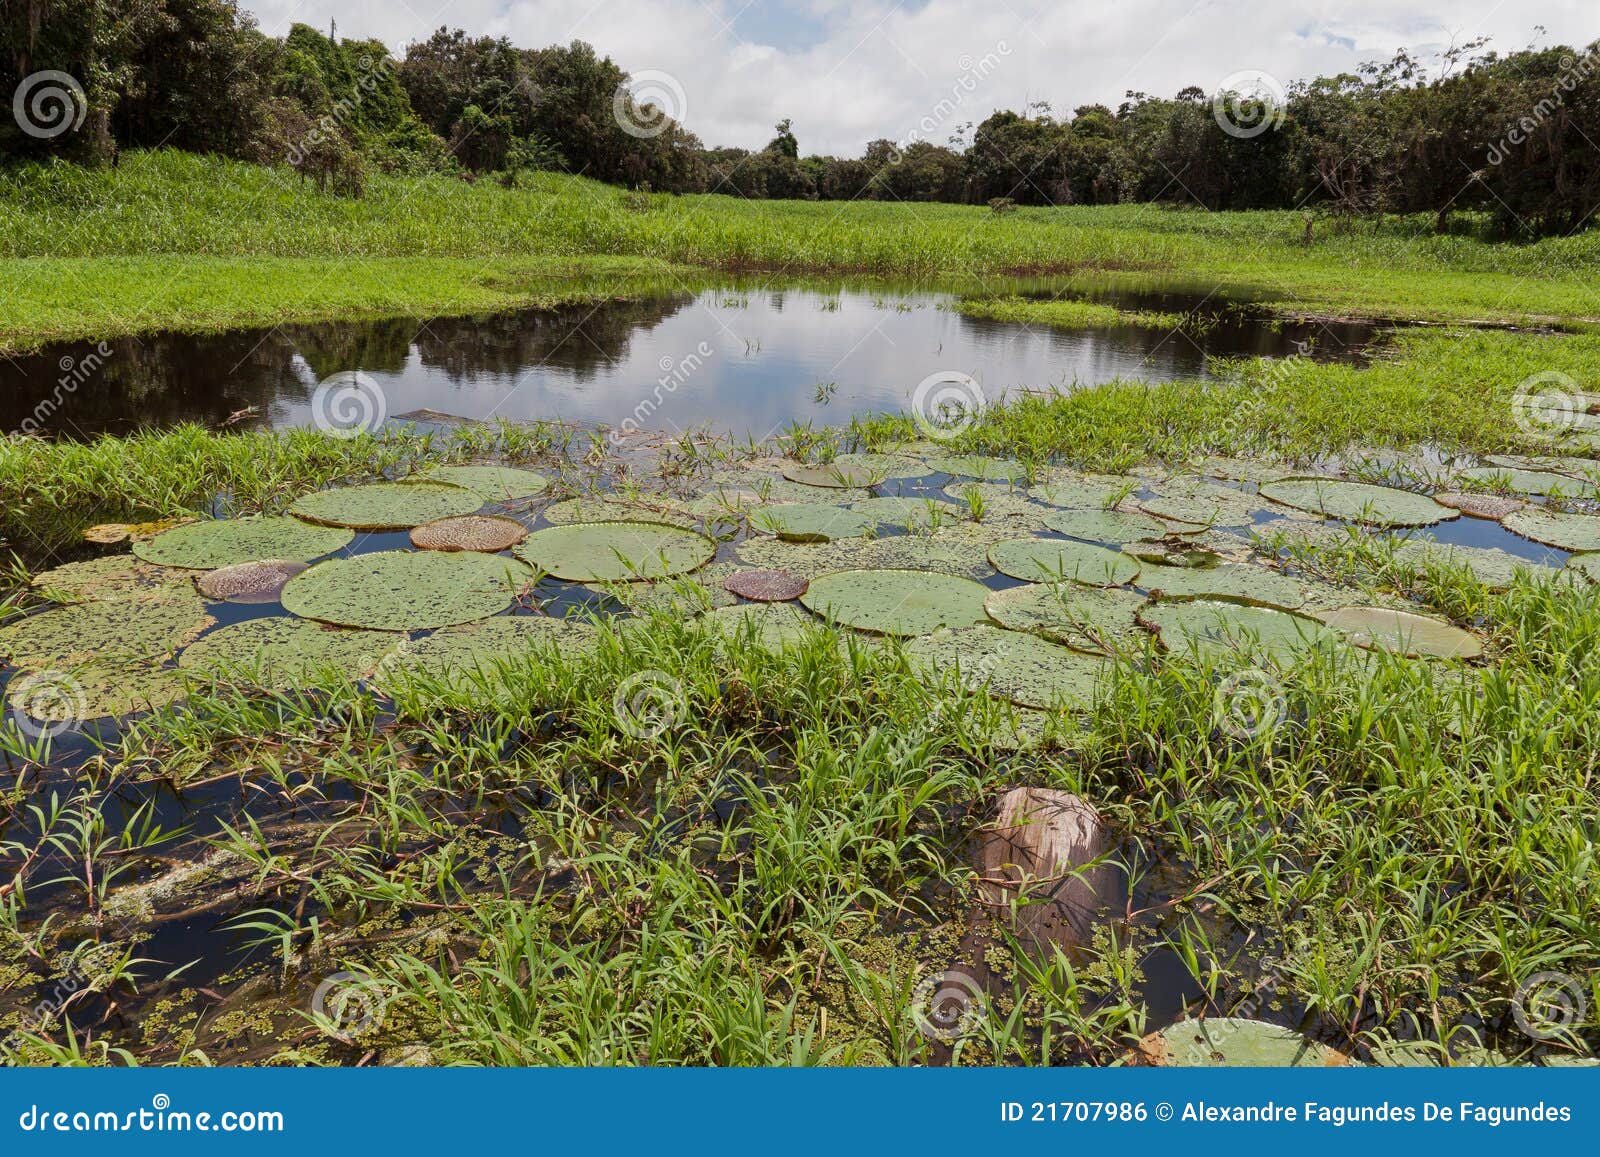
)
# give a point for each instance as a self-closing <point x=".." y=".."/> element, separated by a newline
<point x="184" y="236"/>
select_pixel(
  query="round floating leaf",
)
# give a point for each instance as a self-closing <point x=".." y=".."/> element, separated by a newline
<point x="283" y="652"/>
<point x="811" y="522"/>
<point x="1529" y="481"/>
<point x="1040" y="560"/>
<point x="211" y="545"/>
<point x="885" y="465"/>
<point x="382" y="506"/>
<point x="833" y="475"/>
<point x="1588" y="565"/>
<point x="114" y="578"/>
<point x="474" y="653"/>
<point x="1113" y="526"/>
<point x="1088" y="618"/>
<point x="575" y="510"/>
<point x="1491" y="566"/>
<point x="1233" y="1042"/>
<point x="927" y="552"/>
<point x="1231" y="581"/>
<point x="616" y="551"/>
<point x="492" y="483"/>
<point x="485" y="533"/>
<point x="1085" y="491"/>
<point x="148" y="628"/>
<point x="772" y="626"/>
<point x="1491" y="506"/>
<point x="979" y="466"/>
<point x="914" y="513"/>
<point x="93" y="690"/>
<point x="1574" y="532"/>
<point x="1382" y="629"/>
<point x="773" y="487"/>
<point x="1358" y="502"/>
<point x="1023" y="668"/>
<point x="249" y="582"/>
<point x="1219" y="628"/>
<point x="896" y="602"/>
<point x="401" y="590"/>
<point x="766" y="586"/>
<point x="1204" y="503"/>
<point x="1244" y="470"/>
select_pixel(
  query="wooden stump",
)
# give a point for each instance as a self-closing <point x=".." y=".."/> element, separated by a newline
<point x="1031" y="860"/>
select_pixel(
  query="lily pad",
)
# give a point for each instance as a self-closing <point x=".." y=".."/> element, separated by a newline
<point x="979" y="466"/>
<point x="1202" y="503"/>
<point x="575" y="510"/>
<point x="616" y="551"/>
<point x="401" y="590"/>
<point x="224" y="542"/>
<point x="773" y="487"/>
<point x="1358" y="502"/>
<point x="1234" y="582"/>
<point x="385" y="505"/>
<point x="249" y="582"/>
<point x="1233" y="1042"/>
<point x="93" y="690"/>
<point x="1491" y="506"/>
<point x="114" y="578"/>
<point x="811" y="522"/>
<point x="492" y="483"/>
<point x="1041" y="560"/>
<point x="885" y="465"/>
<point x="1219" y="628"/>
<point x="913" y="513"/>
<point x="1574" y="532"/>
<point x="772" y="626"/>
<point x="485" y="533"/>
<point x="1382" y="629"/>
<point x="1529" y="481"/>
<point x="472" y="654"/>
<point x="150" y="628"/>
<point x="896" y="602"/>
<point x="1023" y="668"/>
<point x="1113" y="526"/>
<point x="1087" y="618"/>
<point x="766" y="586"/>
<point x="926" y="552"/>
<point x="1491" y="566"/>
<point x="283" y="652"/>
<point x="1084" y="491"/>
<point x="832" y="475"/>
<point x="1588" y="565"/>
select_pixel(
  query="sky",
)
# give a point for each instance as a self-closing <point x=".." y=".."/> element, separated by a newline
<point x="849" y="71"/>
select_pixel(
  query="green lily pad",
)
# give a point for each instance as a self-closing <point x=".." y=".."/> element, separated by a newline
<point x="927" y="552"/>
<point x="1573" y="532"/>
<point x="1235" y="582"/>
<point x="281" y="652"/>
<point x="114" y="578"/>
<point x="832" y="475"/>
<point x="771" y="626"/>
<point x="1202" y="503"/>
<point x="93" y="690"/>
<point x="492" y="483"/>
<point x="1588" y="565"/>
<point x="575" y="510"/>
<point x="1084" y="491"/>
<point x="212" y="545"/>
<point x="1087" y="618"/>
<point x="1491" y="566"/>
<point x="1023" y="668"/>
<point x="1245" y="470"/>
<point x="1529" y="481"/>
<point x="382" y="506"/>
<point x="401" y="590"/>
<point x="1234" y="1042"/>
<point x="979" y="466"/>
<point x="1358" y="502"/>
<point x="149" y="628"/>
<point x="896" y="602"/>
<point x="913" y="513"/>
<point x="771" y="486"/>
<point x="1218" y="629"/>
<point x="1382" y="629"/>
<point x="885" y="465"/>
<point x="473" y="654"/>
<point x="811" y="522"/>
<point x="1113" y="526"/>
<point x="616" y="551"/>
<point x="1041" y="560"/>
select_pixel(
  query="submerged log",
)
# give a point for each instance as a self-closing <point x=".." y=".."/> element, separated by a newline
<point x="1035" y="865"/>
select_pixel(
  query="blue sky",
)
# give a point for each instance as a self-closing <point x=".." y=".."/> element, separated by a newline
<point x="848" y="71"/>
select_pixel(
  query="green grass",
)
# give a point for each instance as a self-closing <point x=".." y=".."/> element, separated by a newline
<point x="128" y="245"/>
<point x="1064" y="313"/>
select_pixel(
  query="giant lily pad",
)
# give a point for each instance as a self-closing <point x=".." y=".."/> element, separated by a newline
<point x="1529" y="481"/>
<point x="282" y="652"/>
<point x="773" y="487"/>
<point x="1358" y="502"/>
<point x="1114" y="526"/>
<point x="1088" y="618"/>
<point x="396" y="590"/>
<point x="1383" y="629"/>
<point x="1477" y="505"/>
<point x="1588" y="565"/>
<point x="210" y="545"/>
<point x="485" y="533"/>
<point x="979" y="466"/>
<point x="1041" y="560"/>
<point x="1219" y="628"/>
<point x="914" y="513"/>
<point x="381" y="506"/>
<point x="616" y="551"/>
<point x="1023" y="668"/>
<point x="933" y="552"/>
<point x="618" y="509"/>
<point x="1237" y="582"/>
<point x="896" y="602"/>
<point x="114" y="578"/>
<point x="467" y="655"/>
<point x="811" y="522"/>
<point x="249" y="582"/>
<point x="771" y="626"/>
<point x="492" y="483"/>
<point x="832" y="475"/>
<point x="1234" y="1042"/>
<point x="765" y="586"/>
<point x="1084" y="491"/>
<point x="149" y="628"/>
<point x="1203" y="503"/>
<point x="1491" y="566"/>
<point x="93" y="691"/>
<point x="1574" y="532"/>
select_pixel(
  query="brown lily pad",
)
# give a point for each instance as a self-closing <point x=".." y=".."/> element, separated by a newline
<point x="766" y="586"/>
<point x="485" y="533"/>
<point x="250" y="582"/>
<point x="1495" y="506"/>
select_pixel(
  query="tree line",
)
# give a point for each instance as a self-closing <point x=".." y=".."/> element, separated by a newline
<point x="1513" y="136"/>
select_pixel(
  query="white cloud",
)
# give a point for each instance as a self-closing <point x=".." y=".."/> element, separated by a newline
<point x="848" y="72"/>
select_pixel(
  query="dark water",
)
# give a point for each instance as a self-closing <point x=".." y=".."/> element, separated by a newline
<point x="743" y="361"/>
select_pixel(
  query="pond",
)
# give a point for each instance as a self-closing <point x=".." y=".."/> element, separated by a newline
<point x="741" y="360"/>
